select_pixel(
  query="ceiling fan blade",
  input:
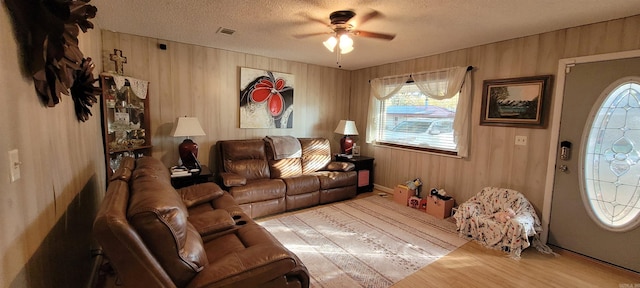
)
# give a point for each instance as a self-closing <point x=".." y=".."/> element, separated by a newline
<point x="368" y="16"/>
<point x="374" y="35"/>
<point x="313" y="19"/>
<point x="300" y="36"/>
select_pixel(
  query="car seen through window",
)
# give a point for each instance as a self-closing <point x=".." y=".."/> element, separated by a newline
<point x="421" y="132"/>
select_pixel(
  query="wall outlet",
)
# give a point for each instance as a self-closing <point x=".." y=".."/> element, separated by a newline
<point x="521" y="140"/>
<point x="14" y="165"/>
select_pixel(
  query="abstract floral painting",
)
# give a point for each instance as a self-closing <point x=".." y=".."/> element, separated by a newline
<point x="266" y="99"/>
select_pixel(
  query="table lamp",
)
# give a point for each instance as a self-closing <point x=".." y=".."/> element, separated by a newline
<point x="346" y="128"/>
<point x="188" y="150"/>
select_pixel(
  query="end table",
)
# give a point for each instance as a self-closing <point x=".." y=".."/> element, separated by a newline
<point x="205" y="175"/>
<point x="364" y="167"/>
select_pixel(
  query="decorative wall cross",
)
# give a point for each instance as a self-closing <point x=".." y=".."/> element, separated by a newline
<point x="119" y="60"/>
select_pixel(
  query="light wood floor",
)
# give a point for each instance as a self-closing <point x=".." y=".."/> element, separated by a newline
<point x="473" y="265"/>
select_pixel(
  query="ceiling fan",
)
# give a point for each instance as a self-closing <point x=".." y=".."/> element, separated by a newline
<point x="342" y="26"/>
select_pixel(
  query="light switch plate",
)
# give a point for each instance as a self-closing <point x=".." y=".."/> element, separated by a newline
<point x="521" y="140"/>
<point x="14" y="165"/>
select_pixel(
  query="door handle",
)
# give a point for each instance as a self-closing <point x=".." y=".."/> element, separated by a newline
<point x="563" y="168"/>
<point x="565" y="150"/>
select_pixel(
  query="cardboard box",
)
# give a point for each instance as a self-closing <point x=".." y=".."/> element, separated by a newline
<point x="401" y="194"/>
<point x="439" y="208"/>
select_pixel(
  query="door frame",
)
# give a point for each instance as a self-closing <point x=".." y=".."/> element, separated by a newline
<point x="564" y="65"/>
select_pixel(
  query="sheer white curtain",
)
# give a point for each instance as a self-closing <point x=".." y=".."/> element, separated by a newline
<point x="381" y="89"/>
<point x="439" y="84"/>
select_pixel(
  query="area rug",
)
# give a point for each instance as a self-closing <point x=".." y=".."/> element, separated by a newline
<point x="368" y="242"/>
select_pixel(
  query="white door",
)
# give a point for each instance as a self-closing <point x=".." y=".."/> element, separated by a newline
<point x="596" y="193"/>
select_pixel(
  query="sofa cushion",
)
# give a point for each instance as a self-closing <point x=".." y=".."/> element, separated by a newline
<point x="341" y="166"/>
<point x="329" y="180"/>
<point x="246" y="158"/>
<point x="285" y="167"/>
<point x="258" y="190"/>
<point x="200" y="193"/>
<point x="302" y="184"/>
<point x="212" y="221"/>
<point x="151" y="167"/>
<point x="157" y="213"/>
<point x="316" y="154"/>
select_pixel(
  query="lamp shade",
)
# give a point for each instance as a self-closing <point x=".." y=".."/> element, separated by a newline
<point x="346" y="127"/>
<point x="187" y="127"/>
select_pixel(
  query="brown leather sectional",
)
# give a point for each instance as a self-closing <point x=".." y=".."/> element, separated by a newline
<point x="263" y="184"/>
<point x="156" y="236"/>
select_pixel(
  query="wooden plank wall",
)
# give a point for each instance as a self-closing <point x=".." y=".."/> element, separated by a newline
<point x="61" y="160"/>
<point x="494" y="159"/>
<point x="204" y="82"/>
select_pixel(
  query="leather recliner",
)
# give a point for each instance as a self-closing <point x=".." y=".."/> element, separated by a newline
<point x="155" y="236"/>
<point x="263" y="185"/>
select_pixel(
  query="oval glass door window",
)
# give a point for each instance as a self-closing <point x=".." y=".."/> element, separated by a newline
<point x="610" y="159"/>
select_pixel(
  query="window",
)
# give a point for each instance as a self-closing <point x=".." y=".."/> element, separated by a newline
<point x="431" y="112"/>
<point x="410" y="119"/>
<point x="610" y="160"/>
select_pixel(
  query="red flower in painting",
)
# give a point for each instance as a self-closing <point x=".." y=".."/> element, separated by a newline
<point x="269" y="90"/>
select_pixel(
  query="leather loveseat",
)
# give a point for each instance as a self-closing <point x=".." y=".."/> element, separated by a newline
<point x="264" y="184"/>
<point x="197" y="236"/>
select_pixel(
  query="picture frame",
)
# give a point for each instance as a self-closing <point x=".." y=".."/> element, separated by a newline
<point x="516" y="102"/>
<point x="266" y="99"/>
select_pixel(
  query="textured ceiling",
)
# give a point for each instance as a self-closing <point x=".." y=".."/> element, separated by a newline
<point x="422" y="27"/>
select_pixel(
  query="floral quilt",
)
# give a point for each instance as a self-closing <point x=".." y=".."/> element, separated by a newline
<point x="477" y="218"/>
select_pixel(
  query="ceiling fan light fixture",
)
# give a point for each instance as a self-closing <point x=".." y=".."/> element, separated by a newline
<point x="346" y="44"/>
<point x="331" y="43"/>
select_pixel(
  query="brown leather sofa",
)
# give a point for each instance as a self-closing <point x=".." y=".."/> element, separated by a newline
<point x="263" y="184"/>
<point x="197" y="236"/>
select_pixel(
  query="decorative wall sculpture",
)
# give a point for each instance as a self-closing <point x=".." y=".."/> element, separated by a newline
<point x="47" y="32"/>
<point x="266" y="99"/>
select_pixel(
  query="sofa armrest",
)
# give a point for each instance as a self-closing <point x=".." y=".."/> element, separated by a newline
<point x="212" y="222"/>
<point x="340" y="166"/>
<point x="232" y="179"/>
<point x="200" y="193"/>
<point x="250" y="267"/>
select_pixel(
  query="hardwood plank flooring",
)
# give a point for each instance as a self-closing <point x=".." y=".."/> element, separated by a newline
<point x="473" y="265"/>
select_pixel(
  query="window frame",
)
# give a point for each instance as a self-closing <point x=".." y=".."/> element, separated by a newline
<point x="430" y="150"/>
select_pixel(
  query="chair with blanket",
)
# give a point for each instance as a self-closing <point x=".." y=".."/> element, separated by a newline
<point x="501" y="219"/>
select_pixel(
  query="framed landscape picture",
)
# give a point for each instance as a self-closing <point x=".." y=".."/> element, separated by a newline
<point x="519" y="102"/>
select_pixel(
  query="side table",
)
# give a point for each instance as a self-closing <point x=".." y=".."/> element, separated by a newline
<point x="364" y="167"/>
<point x="205" y="175"/>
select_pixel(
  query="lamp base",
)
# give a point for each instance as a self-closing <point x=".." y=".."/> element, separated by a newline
<point x="346" y="145"/>
<point x="188" y="151"/>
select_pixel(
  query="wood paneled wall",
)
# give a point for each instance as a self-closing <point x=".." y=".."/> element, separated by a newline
<point x="494" y="159"/>
<point x="190" y="80"/>
<point x="61" y="159"/>
<point x="203" y="82"/>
